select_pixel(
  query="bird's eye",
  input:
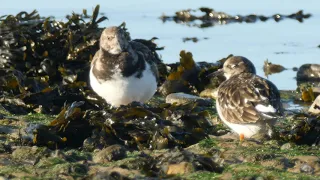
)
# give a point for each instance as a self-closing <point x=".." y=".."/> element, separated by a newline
<point x="233" y="66"/>
<point x="110" y="38"/>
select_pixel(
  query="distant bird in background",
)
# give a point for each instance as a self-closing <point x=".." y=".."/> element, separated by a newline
<point x="246" y="102"/>
<point x="123" y="71"/>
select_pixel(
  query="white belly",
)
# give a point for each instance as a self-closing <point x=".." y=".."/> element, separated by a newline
<point x="248" y="130"/>
<point x="124" y="90"/>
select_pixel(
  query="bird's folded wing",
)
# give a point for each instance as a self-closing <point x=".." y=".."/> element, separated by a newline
<point x="248" y="102"/>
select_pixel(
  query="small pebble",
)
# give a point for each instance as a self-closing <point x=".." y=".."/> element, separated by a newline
<point x="286" y="146"/>
<point x="259" y="178"/>
<point x="183" y="98"/>
<point x="2" y="178"/>
<point x="110" y="153"/>
<point x="306" y="168"/>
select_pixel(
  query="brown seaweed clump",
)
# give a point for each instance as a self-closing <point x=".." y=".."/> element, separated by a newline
<point x="300" y="128"/>
<point x="188" y="76"/>
<point x="136" y="126"/>
<point x="53" y="57"/>
<point x="211" y="17"/>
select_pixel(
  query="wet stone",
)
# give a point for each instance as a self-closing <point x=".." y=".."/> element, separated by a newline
<point x="306" y="169"/>
<point x="111" y="153"/>
<point x="286" y="146"/>
<point x="259" y="178"/>
<point x="308" y="72"/>
<point x="209" y="93"/>
<point x="180" y="168"/>
<point x="30" y="155"/>
<point x="183" y="98"/>
<point x="109" y="175"/>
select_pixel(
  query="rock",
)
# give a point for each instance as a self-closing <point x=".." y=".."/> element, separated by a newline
<point x="306" y="169"/>
<point x="101" y="173"/>
<point x="183" y="161"/>
<point x="308" y="72"/>
<point x="281" y="163"/>
<point x="315" y="107"/>
<point x="30" y="155"/>
<point x="209" y="93"/>
<point x="107" y="175"/>
<point x="306" y="164"/>
<point x="182" y="98"/>
<point x="316" y="90"/>
<point x="181" y="168"/>
<point x="259" y="178"/>
<point x="286" y="146"/>
<point x="111" y="153"/>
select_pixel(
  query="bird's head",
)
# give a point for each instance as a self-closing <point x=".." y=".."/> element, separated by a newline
<point x="235" y="65"/>
<point x="113" y="40"/>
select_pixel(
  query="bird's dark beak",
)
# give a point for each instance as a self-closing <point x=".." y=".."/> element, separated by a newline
<point x="217" y="73"/>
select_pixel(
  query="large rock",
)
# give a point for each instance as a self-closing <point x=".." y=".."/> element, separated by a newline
<point x="308" y="72"/>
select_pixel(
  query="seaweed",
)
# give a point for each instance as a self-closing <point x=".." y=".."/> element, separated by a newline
<point x="210" y="17"/>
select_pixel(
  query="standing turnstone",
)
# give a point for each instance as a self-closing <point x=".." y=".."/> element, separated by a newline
<point x="245" y="102"/>
<point x="123" y="71"/>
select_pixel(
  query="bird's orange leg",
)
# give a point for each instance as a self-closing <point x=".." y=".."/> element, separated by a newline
<point x="241" y="137"/>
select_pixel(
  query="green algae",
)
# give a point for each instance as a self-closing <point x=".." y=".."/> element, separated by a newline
<point x="203" y="175"/>
<point x="254" y="170"/>
<point x="38" y="118"/>
<point x="208" y="143"/>
<point x="49" y="162"/>
<point x="276" y="151"/>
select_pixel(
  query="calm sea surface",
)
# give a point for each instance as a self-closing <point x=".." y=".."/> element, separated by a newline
<point x="287" y="42"/>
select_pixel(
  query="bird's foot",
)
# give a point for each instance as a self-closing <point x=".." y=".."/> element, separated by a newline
<point x="241" y="137"/>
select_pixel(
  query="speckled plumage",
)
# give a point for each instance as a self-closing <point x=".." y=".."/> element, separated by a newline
<point x="123" y="71"/>
<point x="246" y="102"/>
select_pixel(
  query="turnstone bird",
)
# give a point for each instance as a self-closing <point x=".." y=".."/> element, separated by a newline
<point x="246" y="102"/>
<point x="123" y="71"/>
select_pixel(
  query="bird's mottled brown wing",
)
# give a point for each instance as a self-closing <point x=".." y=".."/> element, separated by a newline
<point x="239" y="96"/>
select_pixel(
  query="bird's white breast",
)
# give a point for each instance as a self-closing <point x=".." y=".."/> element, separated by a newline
<point x="121" y="90"/>
<point x="247" y="130"/>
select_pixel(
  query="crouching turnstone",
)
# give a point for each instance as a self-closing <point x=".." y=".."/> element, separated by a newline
<point x="245" y="102"/>
<point x="123" y="71"/>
